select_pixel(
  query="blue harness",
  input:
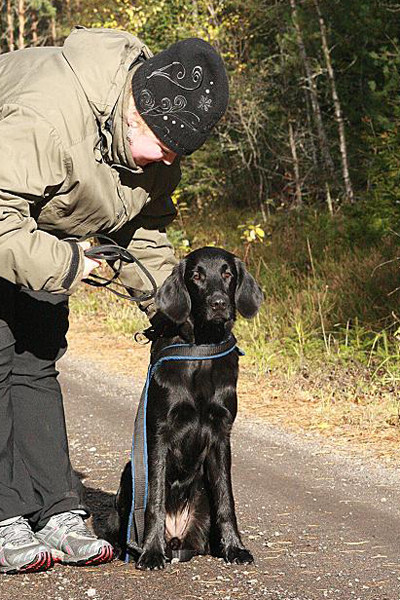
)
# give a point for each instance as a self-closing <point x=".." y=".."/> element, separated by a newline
<point x="139" y="465"/>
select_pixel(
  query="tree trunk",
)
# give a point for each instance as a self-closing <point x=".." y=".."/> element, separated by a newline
<point x="336" y="102"/>
<point x="292" y="140"/>
<point x="53" y="31"/>
<point x="10" y="26"/>
<point x="253" y="162"/>
<point x="296" y="167"/>
<point x="314" y="151"/>
<point x="34" y="28"/>
<point x="323" y="141"/>
<point x="21" y="24"/>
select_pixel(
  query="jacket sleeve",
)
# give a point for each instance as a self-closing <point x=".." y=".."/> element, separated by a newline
<point x="155" y="251"/>
<point x="146" y="238"/>
<point x="33" y="166"/>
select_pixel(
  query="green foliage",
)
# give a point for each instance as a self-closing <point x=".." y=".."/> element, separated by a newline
<point x="268" y="145"/>
<point x="329" y="298"/>
<point x="329" y="268"/>
<point x="331" y="301"/>
<point x="44" y="8"/>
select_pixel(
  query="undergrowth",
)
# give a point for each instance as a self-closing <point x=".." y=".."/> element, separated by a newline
<point x="330" y="322"/>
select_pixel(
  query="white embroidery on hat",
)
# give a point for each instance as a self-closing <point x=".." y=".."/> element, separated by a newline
<point x="169" y="72"/>
<point x="205" y="103"/>
<point x="177" y="108"/>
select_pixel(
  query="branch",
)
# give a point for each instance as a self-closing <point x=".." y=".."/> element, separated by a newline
<point x="392" y="9"/>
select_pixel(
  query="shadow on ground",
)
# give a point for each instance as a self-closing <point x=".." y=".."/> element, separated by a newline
<point x="102" y="509"/>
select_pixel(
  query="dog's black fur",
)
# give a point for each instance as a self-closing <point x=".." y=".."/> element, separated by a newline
<point x="190" y="412"/>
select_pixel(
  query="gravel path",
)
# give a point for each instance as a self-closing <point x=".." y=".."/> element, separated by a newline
<point x="321" y="524"/>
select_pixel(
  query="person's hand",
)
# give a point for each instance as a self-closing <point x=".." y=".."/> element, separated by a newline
<point x="90" y="263"/>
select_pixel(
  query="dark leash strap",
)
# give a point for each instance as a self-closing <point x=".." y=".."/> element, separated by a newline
<point x="117" y="255"/>
<point x="139" y="465"/>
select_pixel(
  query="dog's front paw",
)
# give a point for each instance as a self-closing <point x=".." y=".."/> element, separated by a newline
<point x="151" y="560"/>
<point x="239" y="556"/>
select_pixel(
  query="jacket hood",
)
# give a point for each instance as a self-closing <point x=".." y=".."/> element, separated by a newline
<point x="120" y="151"/>
<point x="101" y="59"/>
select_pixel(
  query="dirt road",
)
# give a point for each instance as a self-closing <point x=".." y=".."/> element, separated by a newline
<point x="320" y="524"/>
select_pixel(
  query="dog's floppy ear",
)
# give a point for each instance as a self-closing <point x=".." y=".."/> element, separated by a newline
<point x="173" y="297"/>
<point x="248" y="294"/>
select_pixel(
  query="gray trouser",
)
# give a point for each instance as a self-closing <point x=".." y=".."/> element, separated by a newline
<point x="36" y="477"/>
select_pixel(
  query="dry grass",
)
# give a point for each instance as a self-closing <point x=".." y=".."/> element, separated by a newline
<point x="321" y="403"/>
<point x="322" y="356"/>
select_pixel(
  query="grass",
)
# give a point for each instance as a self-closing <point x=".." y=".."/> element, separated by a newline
<point x="328" y="332"/>
<point x="116" y="315"/>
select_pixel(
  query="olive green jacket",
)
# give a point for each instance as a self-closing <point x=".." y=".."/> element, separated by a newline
<point x="66" y="169"/>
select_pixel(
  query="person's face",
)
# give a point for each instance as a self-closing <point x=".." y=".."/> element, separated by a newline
<point x="147" y="148"/>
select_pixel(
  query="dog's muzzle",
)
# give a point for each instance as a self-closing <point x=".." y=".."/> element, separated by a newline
<point x="219" y="307"/>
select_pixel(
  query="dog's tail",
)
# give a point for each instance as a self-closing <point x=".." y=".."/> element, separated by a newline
<point x="176" y="525"/>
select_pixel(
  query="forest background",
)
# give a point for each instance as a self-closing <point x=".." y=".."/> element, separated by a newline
<point x="301" y="180"/>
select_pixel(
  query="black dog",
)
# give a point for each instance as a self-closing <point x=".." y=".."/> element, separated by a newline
<point x="191" y="408"/>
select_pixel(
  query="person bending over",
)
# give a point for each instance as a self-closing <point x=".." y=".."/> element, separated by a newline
<point x="91" y="139"/>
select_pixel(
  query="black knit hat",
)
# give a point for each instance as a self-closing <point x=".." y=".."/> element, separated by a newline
<point x="181" y="93"/>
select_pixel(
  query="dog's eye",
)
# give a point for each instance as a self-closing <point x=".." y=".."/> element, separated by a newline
<point x="196" y="276"/>
<point x="227" y="275"/>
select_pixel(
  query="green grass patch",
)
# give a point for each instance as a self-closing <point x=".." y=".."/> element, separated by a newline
<point x="117" y="315"/>
<point x="331" y="297"/>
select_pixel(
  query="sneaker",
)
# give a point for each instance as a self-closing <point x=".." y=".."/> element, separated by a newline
<point x="71" y="542"/>
<point x="21" y="551"/>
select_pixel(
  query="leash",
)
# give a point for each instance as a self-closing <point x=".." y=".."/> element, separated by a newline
<point x="118" y="255"/>
<point x="139" y="465"/>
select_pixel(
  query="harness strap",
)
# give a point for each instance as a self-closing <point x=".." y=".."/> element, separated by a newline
<point x="139" y="468"/>
<point x="195" y="352"/>
<point x="139" y="464"/>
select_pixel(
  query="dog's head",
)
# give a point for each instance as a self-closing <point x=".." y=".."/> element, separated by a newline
<point x="209" y="285"/>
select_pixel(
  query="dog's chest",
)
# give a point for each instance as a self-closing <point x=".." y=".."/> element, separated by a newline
<point x="200" y="398"/>
<point x="202" y="379"/>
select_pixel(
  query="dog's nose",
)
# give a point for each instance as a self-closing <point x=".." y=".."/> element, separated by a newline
<point x="218" y="304"/>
